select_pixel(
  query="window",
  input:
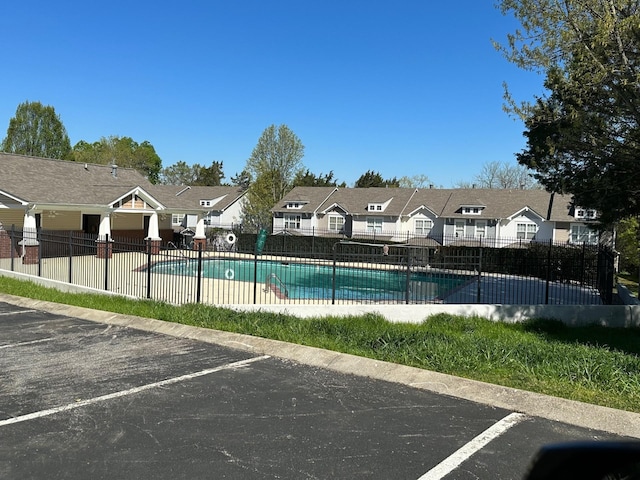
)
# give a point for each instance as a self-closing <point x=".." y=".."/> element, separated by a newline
<point x="292" y="221"/>
<point x="375" y="207"/>
<point x="294" y="205"/>
<point x="205" y="203"/>
<point x="459" y="228"/>
<point x="583" y="234"/>
<point x="481" y="228"/>
<point x="471" y="210"/>
<point x="526" y="231"/>
<point x="422" y="226"/>
<point x="177" y="219"/>
<point x="589" y="214"/>
<point x="336" y="223"/>
<point x="374" y="225"/>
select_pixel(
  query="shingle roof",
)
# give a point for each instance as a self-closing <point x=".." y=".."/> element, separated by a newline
<point x="181" y="197"/>
<point x="50" y="181"/>
<point x="498" y="203"/>
<point x="44" y="180"/>
<point x="310" y="199"/>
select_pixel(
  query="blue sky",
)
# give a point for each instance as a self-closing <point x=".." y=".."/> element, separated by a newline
<point x="401" y="87"/>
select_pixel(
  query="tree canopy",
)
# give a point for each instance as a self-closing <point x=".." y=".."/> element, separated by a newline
<point x="583" y="136"/>
<point x="419" y="180"/>
<point x="37" y="130"/>
<point x="121" y="151"/>
<point x="308" y="179"/>
<point x="274" y="163"/>
<point x="502" y="175"/>
<point x="181" y="173"/>
<point x="242" y="179"/>
<point x="374" y="179"/>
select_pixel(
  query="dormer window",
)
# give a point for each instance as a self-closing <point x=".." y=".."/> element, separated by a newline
<point x="205" y="203"/>
<point x="471" y="210"/>
<point x="585" y="213"/>
<point x="294" y="205"/>
<point x="375" y="207"/>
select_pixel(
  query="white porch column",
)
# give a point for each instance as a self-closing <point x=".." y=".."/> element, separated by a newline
<point x="200" y="228"/>
<point x="154" y="231"/>
<point x="200" y="239"/>
<point x="105" y="226"/>
<point x="29" y="230"/>
<point x="29" y="242"/>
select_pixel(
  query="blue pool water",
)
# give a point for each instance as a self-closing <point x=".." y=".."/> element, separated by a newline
<point x="307" y="281"/>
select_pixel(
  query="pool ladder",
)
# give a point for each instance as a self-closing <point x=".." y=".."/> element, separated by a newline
<point x="274" y="283"/>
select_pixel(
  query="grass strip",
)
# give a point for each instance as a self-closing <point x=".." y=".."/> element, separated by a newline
<point x="593" y="364"/>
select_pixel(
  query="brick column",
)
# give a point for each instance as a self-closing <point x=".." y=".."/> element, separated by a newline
<point x="30" y="256"/>
<point x="105" y="248"/>
<point x="155" y="246"/>
<point x="5" y="244"/>
<point x="197" y="242"/>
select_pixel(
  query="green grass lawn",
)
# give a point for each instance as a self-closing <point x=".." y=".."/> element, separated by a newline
<point x="591" y="364"/>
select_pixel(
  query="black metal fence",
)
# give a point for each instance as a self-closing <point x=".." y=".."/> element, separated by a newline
<point x="229" y="269"/>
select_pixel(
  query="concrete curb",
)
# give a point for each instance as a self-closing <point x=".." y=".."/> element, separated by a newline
<point x="567" y="411"/>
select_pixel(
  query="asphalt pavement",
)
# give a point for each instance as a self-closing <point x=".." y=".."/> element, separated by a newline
<point x="90" y="394"/>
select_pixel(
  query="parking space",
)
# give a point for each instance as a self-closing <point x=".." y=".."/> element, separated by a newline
<point x="86" y="399"/>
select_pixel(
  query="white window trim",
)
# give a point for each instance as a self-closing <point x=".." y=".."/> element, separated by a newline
<point x="373" y="223"/>
<point x="481" y="229"/>
<point x="175" y="216"/>
<point x="337" y="225"/>
<point x="425" y="229"/>
<point x="292" y="218"/>
<point x="527" y="232"/>
<point x="472" y="210"/>
<point x="584" y="231"/>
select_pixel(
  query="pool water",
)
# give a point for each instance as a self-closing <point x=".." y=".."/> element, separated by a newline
<point x="307" y="281"/>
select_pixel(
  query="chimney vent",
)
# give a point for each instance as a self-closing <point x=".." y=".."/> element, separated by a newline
<point x="114" y="171"/>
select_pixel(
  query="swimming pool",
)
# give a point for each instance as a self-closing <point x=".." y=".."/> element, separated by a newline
<point x="309" y="281"/>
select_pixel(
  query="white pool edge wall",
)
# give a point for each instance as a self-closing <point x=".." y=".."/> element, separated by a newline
<point x="620" y="316"/>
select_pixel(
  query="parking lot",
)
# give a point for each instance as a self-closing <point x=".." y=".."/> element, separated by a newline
<point x="87" y="394"/>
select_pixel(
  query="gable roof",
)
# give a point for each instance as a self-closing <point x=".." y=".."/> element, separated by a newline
<point x="309" y="198"/>
<point x="188" y="198"/>
<point x="44" y="180"/>
<point x="447" y="203"/>
<point x="61" y="182"/>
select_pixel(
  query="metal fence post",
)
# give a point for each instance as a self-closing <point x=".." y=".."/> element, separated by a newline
<point x="255" y="276"/>
<point x="582" y="262"/>
<point x="148" y="268"/>
<point x="13" y="236"/>
<point x="199" y="275"/>
<point x="70" y="256"/>
<point x="333" y="279"/>
<point x="546" y="293"/>
<point x="479" y="290"/>
<point x="106" y="262"/>
<point x="39" y="240"/>
<point x="407" y="294"/>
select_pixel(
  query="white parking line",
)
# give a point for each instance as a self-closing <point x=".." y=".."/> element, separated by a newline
<point x="123" y="393"/>
<point x="21" y="344"/>
<point x="463" y="453"/>
<point x="16" y="312"/>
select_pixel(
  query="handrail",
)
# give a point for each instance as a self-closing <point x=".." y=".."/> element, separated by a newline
<point x="178" y="250"/>
<point x="281" y="287"/>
